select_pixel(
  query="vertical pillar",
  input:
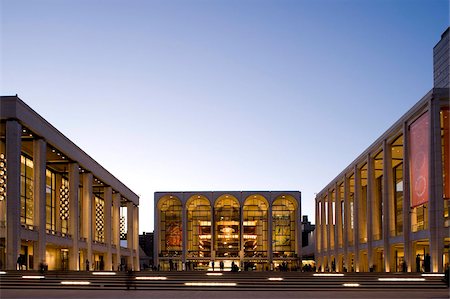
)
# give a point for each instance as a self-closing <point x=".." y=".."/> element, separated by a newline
<point x="338" y="226"/>
<point x="87" y="215"/>
<point x="116" y="230"/>
<point x="39" y="162"/>
<point x="108" y="226"/>
<point x="406" y="201"/>
<point x="74" y="183"/>
<point x="270" y="234"/>
<point x="436" y="202"/>
<point x="13" y="150"/>
<point x="130" y="232"/>
<point x="157" y="238"/>
<point x="346" y="222"/>
<point x="299" y="232"/>
<point x="324" y="231"/>
<point x="184" y="231"/>
<point x="370" y="207"/>
<point x="317" y="230"/>
<point x="329" y="228"/>
<point x="356" y="217"/>
<point x="388" y="196"/>
<point x="136" y="239"/>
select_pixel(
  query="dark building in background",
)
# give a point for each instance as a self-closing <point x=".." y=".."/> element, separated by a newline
<point x="308" y="239"/>
<point x="441" y="62"/>
<point x="146" y="250"/>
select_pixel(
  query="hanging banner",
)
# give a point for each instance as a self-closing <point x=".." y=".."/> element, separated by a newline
<point x="419" y="150"/>
<point x="445" y="123"/>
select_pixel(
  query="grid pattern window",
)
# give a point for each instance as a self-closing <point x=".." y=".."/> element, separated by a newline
<point x="227" y="226"/>
<point x="351" y="198"/>
<point x="255" y="227"/>
<point x="50" y="201"/>
<point x="199" y="227"/>
<point x="99" y="235"/>
<point x="343" y="223"/>
<point x="171" y="226"/>
<point x="26" y="191"/>
<point x="283" y="216"/>
<point x="64" y="212"/>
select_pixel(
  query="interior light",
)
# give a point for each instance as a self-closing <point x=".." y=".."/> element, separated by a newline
<point x="151" y="278"/>
<point x="33" y="277"/>
<point x="275" y="278"/>
<point x="433" y="274"/>
<point x="210" y="284"/>
<point x="2" y="272"/>
<point x="69" y="282"/>
<point x="103" y="273"/>
<point x="214" y="274"/>
<point x="328" y="274"/>
<point x="351" y="284"/>
<point x="400" y="279"/>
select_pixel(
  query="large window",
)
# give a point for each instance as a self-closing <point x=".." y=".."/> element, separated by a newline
<point x="363" y="205"/>
<point x="199" y="227"/>
<point x="99" y="233"/>
<point x="255" y="226"/>
<point x="170" y="217"/>
<point x="50" y="201"/>
<point x="396" y="207"/>
<point x="378" y="198"/>
<point x="227" y="226"/>
<point x="351" y="200"/>
<point x="283" y="217"/>
<point x="26" y="191"/>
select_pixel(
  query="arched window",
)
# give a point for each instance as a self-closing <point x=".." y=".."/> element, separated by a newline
<point x="284" y="234"/>
<point x="227" y="224"/>
<point x="170" y="223"/>
<point x="198" y="227"/>
<point x="255" y="226"/>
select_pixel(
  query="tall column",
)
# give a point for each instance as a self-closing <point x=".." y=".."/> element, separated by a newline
<point x="356" y="217"/>
<point x="324" y="231"/>
<point x="406" y="201"/>
<point x="436" y="202"/>
<point x="136" y="240"/>
<point x="329" y="228"/>
<point x="39" y="165"/>
<point x="13" y="150"/>
<point x="270" y="233"/>
<point x="116" y="230"/>
<point x="299" y="231"/>
<point x="87" y="215"/>
<point x="346" y="222"/>
<point x="370" y="207"/>
<point x="338" y="226"/>
<point x="388" y="196"/>
<point x="184" y="231"/>
<point x="108" y="226"/>
<point x="74" y="183"/>
<point x="130" y="232"/>
<point x="317" y="230"/>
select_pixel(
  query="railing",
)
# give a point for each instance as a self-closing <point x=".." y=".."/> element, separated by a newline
<point x="255" y="254"/>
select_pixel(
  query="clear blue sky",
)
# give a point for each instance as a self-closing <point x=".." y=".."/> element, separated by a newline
<point x="220" y="95"/>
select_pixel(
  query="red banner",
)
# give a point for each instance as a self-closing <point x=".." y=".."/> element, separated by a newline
<point x="419" y="150"/>
<point x="446" y="151"/>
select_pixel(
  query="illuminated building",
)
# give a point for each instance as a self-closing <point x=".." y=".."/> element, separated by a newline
<point x="58" y="206"/>
<point x="254" y="230"/>
<point x="389" y="209"/>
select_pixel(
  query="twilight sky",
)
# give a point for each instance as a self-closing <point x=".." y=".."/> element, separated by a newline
<point x="220" y="95"/>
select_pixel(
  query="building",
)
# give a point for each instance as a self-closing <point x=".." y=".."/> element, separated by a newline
<point x="253" y="230"/>
<point x="58" y="206"/>
<point x="389" y="209"/>
<point x="308" y="239"/>
<point x="146" y="250"/>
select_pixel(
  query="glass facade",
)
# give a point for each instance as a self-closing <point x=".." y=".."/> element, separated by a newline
<point x="26" y="194"/>
<point x="227" y="226"/>
<point x="50" y="206"/>
<point x="283" y="215"/>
